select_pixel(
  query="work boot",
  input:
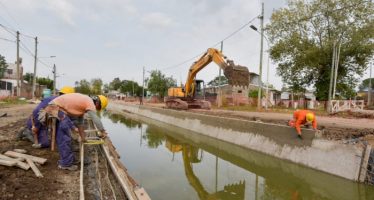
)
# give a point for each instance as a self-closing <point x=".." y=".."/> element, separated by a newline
<point x="70" y="168"/>
<point x="300" y="137"/>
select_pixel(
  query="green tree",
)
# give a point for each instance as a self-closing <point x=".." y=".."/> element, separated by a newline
<point x="83" y="86"/>
<point x="215" y="81"/>
<point x="96" y="86"/>
<point x="365" y="84"/>
<point x="28" y="77"/>
<point x="115" y="84"/>
<point x="45" y="81"/>
<point x="3" y="66"/>
<point x="159" y="84"/>
<point x="303" y="35"/>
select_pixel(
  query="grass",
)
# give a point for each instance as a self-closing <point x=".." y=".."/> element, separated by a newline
<point x="11" y="101"/>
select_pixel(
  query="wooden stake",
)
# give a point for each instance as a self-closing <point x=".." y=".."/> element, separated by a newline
<point x="21" y="155"/>
<point x="7" y="163"/>
<point x="34" y="168"/>
<point x="18" y="161"/>
<point x="53" y="137"/>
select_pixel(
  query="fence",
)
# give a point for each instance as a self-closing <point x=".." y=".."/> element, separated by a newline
<point x="344" y="105"/>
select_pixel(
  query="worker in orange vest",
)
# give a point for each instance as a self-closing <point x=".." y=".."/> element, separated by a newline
<point x="303" y="117"/>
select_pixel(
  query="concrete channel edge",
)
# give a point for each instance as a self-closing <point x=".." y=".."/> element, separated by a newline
<point x="345" y="160"/>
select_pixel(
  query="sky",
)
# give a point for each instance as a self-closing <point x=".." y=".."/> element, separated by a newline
<point x="117" y="38"/>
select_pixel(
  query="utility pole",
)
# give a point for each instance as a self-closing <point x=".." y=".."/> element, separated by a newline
<point x="54" y="79"/>
<point x="35" y="61"/>
<point x="331" y="77"/>
<point x="133" y="91"/>
<point x="18" y="70"/>
<point x="260" y="71"/>
<point x="141" y="103"/>
<point x="369" y="89"/>
<point x="336" y="69"/>
<point x="219" y="82"/>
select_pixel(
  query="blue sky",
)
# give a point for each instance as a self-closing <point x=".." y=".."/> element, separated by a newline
<point x="116" y="38"/>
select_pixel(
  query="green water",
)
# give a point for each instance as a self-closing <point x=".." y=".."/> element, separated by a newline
<point x="176" y="164"/>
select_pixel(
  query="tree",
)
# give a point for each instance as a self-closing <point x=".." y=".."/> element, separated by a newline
<point x="45" y="81"/>
<point x="83" y="86"/>
<point x="96" y="86"/>
<point x="365" y="84"/>
<point x="115" y="84"/>
<point x="159" y="84"/>
<point x="28" y="77"/>
<point x="3" y="66"/>
<point x="215" y="81"/>
<point x="303" y="36"/>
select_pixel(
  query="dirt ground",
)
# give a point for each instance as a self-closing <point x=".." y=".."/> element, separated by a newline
<point x="16" y="183"/>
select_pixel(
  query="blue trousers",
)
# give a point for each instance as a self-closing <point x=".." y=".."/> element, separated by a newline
<point x="42" y="134"/>
<point x="63" y="139"/>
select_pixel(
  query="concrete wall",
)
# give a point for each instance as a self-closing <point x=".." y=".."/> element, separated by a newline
<point x="333" y="157"/>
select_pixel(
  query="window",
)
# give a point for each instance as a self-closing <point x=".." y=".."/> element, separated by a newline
<point x="9" y="71"/>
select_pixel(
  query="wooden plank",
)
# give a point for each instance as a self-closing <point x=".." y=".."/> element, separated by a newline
<point x="18" y="161"/>
<point x="7" y="163"/>
<point x="141" y="194"/>
<point x="34" y="168"/>
<point x="53" y="137"/>
<point x="26" y="156"/>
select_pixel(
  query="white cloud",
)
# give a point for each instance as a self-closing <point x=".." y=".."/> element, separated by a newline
<point x="156" y="20"/>
<point x="64" y="10"/>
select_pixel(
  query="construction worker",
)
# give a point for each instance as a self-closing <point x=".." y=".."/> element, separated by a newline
<point x="303" y="117"/>
<point x="36" y="131"/>
<point x="73" y="107"/>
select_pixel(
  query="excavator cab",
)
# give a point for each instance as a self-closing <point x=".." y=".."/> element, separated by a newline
<point x="199" y="89"/>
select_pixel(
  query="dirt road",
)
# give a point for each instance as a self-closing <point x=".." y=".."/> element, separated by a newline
<point x="16" y="183"/>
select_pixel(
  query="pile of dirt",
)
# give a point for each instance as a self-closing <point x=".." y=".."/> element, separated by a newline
<point x="237" y="75"/>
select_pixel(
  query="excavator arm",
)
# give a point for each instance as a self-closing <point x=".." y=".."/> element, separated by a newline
<point x="236" y="75"/>
<point x="184" y="97"/>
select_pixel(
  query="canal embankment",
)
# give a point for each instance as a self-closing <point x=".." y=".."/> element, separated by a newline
<point x="341" y="158"/>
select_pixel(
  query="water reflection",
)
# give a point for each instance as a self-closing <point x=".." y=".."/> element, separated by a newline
<point x="257" y="176"/>
<point x="191" y="156"/>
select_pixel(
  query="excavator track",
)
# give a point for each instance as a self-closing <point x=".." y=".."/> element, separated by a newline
<point x="178" y="104"/>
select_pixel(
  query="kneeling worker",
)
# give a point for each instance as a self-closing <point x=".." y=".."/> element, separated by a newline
<point x="35" y="130"/>
<point x="73" y="106"/>
<point x="303" y="117"/>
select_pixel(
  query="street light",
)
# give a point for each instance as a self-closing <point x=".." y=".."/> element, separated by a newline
<point x="34" y="77"/>
<point x="267" y="68"/>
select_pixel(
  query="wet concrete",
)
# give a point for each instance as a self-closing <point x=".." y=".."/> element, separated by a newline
<point x="275" y="140"/>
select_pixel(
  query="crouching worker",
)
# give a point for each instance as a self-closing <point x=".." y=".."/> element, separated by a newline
<point x="303" y="117"/>
<point x="37" y="131"/>
<point x="73" y="107"/>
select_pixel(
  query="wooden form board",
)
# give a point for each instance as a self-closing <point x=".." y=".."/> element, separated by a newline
<point x="26" y="156"/>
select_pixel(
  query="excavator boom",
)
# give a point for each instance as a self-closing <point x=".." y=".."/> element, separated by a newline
<point x="184" y="97"/>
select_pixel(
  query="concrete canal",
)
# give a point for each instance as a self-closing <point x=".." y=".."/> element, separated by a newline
<point x="174" y="163"/>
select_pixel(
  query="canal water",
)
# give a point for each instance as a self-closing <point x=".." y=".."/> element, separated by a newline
<point x="177" y="164"/>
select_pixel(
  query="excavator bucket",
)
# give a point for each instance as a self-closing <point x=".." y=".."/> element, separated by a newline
<point x="237" y="75"/>
<point x="234" y="191"/>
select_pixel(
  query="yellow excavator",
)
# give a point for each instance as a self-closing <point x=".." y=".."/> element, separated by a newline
<point x="191" y="95"/>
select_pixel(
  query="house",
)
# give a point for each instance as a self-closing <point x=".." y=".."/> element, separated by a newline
<point x="8" y="84"/>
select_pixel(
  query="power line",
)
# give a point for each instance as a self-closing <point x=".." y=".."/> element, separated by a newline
<point x="214" y="45"/>
<point x="9" y="30"/>
<point x="8" y="40"/>
<point x="7" y="11"/>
